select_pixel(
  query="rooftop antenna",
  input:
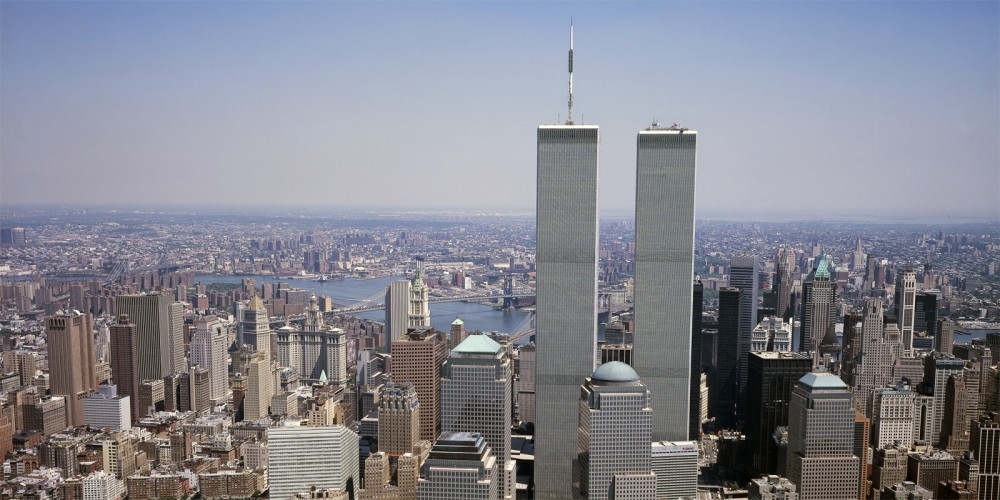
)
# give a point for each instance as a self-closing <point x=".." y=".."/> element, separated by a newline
<point x="569" y="114"/>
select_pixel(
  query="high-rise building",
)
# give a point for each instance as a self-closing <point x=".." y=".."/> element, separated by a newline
<point x="419" y="314"/>
<point x="862" y="438"/>
<point x="743" y="275"/>
<point x="398" y="418"/>
<point x="70" y="340"/>
<point x="457" y="333"/>
<point x="255" y="326"/>
<point x="209" y="346"/>
<point x="881" y="345"/>
<point x="260" y="387"/>
<point x="460" y="466"/>
<point x="818" y="302"/>
<point x="124" y="371"/>
<point x="397" y="310"/>
<point x="525" y="384"/>
<point x="945" y="336"/>
<point x="676" y="468"/>
<point x="821" y="458"/>
<point x="107" y="410"/>
<point x="770" y="379"/>
<point x="314" y="350"/>
<point x="722" y="391"/>
<point x="664" y="267"/>
<point x="955" y="423"/>
<point x="772" y="334"/>
<point x="159" y="328"/>
<point x="984" y="443"/>
<point x="476" y="397"/>
<point x="938" y="368"/>
<point x="566" y="295"/>
<point x="417" y="358"/>
<point x="615" y="428"/>
<point x="301" y="457"/>
<point x="783" y="283"/>
<point x="891" y="410"/>
<point x="696" y="402"/>
<point x="905" y="301"/>
<point x="929" y="469"/>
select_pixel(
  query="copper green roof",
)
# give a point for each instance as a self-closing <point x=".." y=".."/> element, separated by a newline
<point x="477" y="344"/>
<point x="822" y="380"/>
<point x="822" y="267"/>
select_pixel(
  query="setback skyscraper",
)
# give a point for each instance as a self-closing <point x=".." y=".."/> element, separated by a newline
<point x="664" y="267"/>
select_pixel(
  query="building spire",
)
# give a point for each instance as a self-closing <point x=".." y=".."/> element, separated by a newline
<point x="569" y="114"/>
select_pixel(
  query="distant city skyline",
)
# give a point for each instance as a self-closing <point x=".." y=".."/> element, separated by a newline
<point x="884" y="108"/>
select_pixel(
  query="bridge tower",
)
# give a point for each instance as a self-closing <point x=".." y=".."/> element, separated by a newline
<point x="508" y="290"/>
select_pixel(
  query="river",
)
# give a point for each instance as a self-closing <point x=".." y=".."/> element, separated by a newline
<point x="351" y="290"/>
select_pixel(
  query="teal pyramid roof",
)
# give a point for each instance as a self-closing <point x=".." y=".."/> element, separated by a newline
<point x="477" y="344"/>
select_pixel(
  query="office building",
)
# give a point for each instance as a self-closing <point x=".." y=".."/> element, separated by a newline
<point x="938" y="368"/>
<point x="301" y="457"/>
<point x="124" y="371"/>
<point x="70" y="340"/>
<point x="696" y="400"/>
<point x="783" y="265"/>
<point x="929" y="469"/>
<point x="419" y="314"/>
<point x="772" y="487"/>
<point x="255" y="326"/>
<point x="862" y="438"/>
<point x="925" y="314"/>
<point x="905" y="302"/>
<point x="664" y="267"/>
<point x="460" y="466"/>
<point x="615" y="428"/>
<point x="397" y="310"/>
<point x="770" y="379"/>
<point x="891" y="410"/>
<point x="818" y="302"/>
<point x="881" y="347"/>
<point x="955" y="423"/>
<point x="417" y="358"/>
<point x="100" y="485"/>
<point x="476" y="397"/>
<point x="944" y="339"/>
<point x="159" y="328"/>
<point x="743" y="275"/>
<point x="457" y="333"/>
<point x="821" y="458"/>
<point x="984" y="443"/>
<point x="524" y="386"/>
<point x="108" y="410"/>
<point x="566" y="295"/>
<point x="676" y="467"/>
<point x="398" y="418"/>
<point x="722" y="391"/>
<point x="772" y="334"/>
<point x="260" y="387"/>
<point x="314" y="350"/>
<point x="48" y="415"/>
<point x="888" y="468"/>
<point x="209" y="350"/>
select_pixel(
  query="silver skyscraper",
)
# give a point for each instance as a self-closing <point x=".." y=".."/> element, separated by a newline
<point x="664" y="267"/>
<point x="566" y="326"/>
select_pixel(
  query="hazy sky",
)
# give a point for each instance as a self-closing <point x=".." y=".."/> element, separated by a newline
<point x="801" y="107"/>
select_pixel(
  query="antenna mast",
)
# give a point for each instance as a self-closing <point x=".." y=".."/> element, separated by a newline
<point x="569" y="115"/>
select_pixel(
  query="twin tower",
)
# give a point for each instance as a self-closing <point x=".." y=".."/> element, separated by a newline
<point x="567" y="256"/>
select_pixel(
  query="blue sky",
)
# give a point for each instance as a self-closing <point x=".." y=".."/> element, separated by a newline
<point x="801" y="107"/>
